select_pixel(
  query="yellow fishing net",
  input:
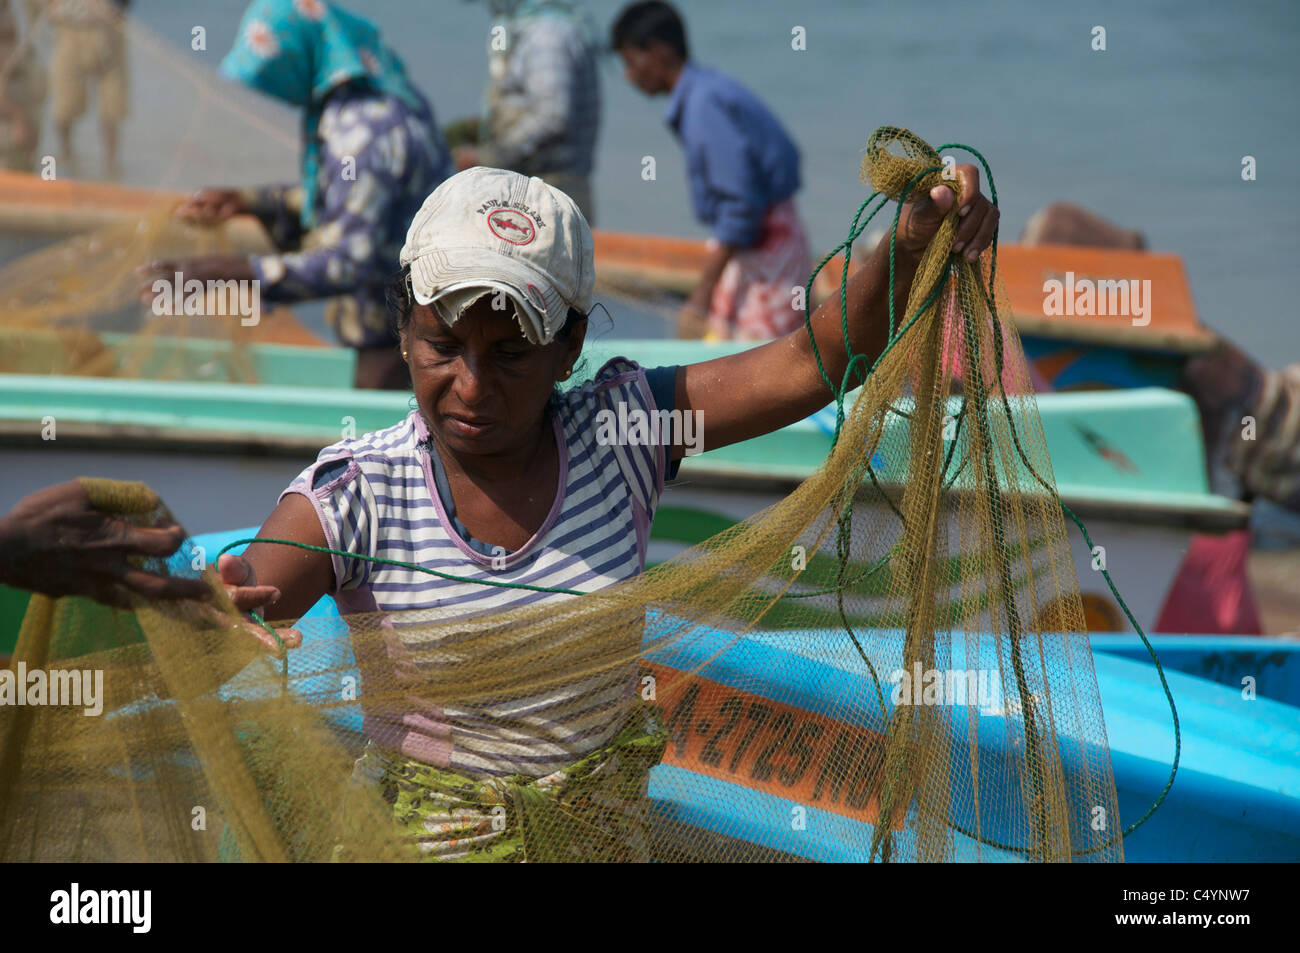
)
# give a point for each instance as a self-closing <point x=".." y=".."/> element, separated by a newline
<point x="69" y="290"/>
<point x="74" y="307"/>
<point x="890" y="664"/>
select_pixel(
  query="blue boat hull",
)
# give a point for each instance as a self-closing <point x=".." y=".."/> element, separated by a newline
<point x="1236" y="796"/>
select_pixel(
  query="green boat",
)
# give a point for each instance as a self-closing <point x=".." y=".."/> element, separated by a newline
<point x="1130" y="463"/>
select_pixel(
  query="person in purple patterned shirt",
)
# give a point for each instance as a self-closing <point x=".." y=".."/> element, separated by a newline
<point x="372" y="151"/>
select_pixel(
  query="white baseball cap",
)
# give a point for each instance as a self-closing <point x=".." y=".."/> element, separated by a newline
<point x="485" y="230"/>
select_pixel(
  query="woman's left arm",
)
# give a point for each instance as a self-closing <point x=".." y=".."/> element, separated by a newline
<point x="774" y="385"/>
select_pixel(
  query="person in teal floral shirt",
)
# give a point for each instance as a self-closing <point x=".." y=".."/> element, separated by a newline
<point x="372" y="151"/>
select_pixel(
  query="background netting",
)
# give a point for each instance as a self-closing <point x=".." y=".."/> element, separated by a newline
<point x="759" y="711"/>
<point x="69" y="300"/>
<point x="74" y="307"/>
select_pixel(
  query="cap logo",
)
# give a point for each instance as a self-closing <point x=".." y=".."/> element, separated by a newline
<point x="513" y="226"/>
<point x="536" y="298"/>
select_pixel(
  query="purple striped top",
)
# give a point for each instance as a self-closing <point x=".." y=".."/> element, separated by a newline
<point x="375" y="496"/>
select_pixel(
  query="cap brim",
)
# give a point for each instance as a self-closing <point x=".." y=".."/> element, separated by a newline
<point x="530" y="319"/>
<point x="443" y="270"/>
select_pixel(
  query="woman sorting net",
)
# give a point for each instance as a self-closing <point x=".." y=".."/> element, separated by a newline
<point x="500" y="480"/>
<point x="371" y="152"/>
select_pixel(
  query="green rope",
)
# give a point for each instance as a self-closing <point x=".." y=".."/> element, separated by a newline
<point x="279" y="644"/>
<point x="844" y="520"/>
<point x="284" y="670"/>
<point x="400" y="564"/>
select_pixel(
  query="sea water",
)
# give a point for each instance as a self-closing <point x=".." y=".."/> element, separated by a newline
<point x="1150" y="132"/>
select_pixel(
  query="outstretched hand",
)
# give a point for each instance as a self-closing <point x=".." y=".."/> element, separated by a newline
<point x="203" y="269"/>
<point x="921" y="219"/>
<point x="211" y="206"/>
<point x="56" y="543"/>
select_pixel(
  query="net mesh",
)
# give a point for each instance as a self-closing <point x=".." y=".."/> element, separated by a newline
<point x="889" y="664"/>
<point x="69" y="289"/>
<point x="74" y="307"/>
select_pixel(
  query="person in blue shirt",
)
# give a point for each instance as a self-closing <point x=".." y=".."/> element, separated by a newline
<point x="744" y="172"/>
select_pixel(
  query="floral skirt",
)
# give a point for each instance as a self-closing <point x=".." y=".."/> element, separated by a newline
<point x="754" y="297"/>
<point x="595" y="810"/>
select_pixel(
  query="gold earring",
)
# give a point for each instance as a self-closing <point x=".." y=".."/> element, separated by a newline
<point x="403" y="355"/>
<point x="565" y="376"/>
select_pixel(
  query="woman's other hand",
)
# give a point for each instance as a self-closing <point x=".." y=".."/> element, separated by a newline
<point x="240" y="580"/>
<point x="211" y="206"/>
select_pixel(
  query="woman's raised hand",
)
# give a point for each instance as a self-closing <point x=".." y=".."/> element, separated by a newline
<point x="211" y="206"/>
<point x="979" y="218"/>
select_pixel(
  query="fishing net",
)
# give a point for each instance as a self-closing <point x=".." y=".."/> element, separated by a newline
<point x="74" y="307"/>
<point x="69" y="289"/>
<point x="891" y="664"/>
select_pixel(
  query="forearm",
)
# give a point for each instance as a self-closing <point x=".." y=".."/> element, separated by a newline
<point x="301" y="575"/>
<point x="769" y="387"/>
<point x="868" y="322"/>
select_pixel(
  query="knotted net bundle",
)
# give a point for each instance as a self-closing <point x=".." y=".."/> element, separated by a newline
<point x="890" y="664"/>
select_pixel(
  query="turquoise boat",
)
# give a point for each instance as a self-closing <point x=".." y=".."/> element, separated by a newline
<point x="1130" y="463"/>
